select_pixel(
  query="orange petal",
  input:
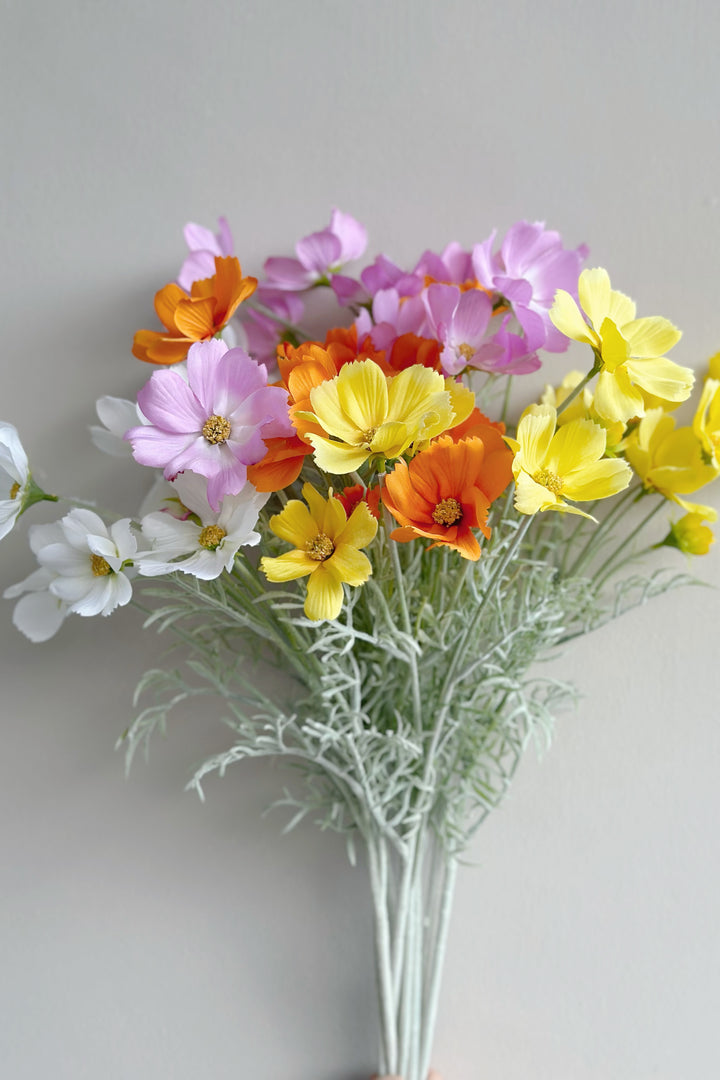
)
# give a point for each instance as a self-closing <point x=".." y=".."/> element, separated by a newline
<point x="166" y="302"/>
<point x="195" y="319"/>
<point x="156" y="348"/>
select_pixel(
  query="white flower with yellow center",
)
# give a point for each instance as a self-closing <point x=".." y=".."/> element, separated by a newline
<point x="90" y="563"/>
<point x="201" y="541"/>
<point x="38" y="614"/>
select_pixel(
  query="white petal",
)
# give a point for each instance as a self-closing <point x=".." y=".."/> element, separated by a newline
<point x="39" y="615"/>
<point x="39" y="579"/>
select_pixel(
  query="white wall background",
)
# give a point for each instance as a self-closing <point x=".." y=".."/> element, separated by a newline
<point x="146" y="936"/>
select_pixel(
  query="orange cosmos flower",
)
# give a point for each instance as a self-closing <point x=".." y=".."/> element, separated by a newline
<point x="446" y="491"/>
<point x="195" y="317"/>
<point x="410" y="349"/>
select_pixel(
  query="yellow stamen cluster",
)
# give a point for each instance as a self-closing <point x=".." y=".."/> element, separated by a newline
<point x="14" y="490"/>
<point x="100" y="567"/>
<point x="549" y="480"/>
<point x="320" y="547"/>
<point x="447" y="512"/>
<point x="216" y="429"/>
<point x="211" y="536"/>
<point x="466" y="351"/>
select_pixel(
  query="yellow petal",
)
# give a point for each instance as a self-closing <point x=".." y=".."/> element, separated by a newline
<point x="616" y="398"/>
<point x="287" y="567"/>
<point x="462" y="400"/>
<point x="575" y="446"/>
<point x="337" y="457"/>
<point x="413" y="392"/>
<point x="324" y="595"/>
<point x="598" y="481"/>
<point x="334" y="518"/>
<point x="361" y="528"/>
<point x="294" y="523"/>
<point x="651" y="337"/>
<point x="317" y="506"/>
<point x="392" y="439"/>
<point x="328" y="412"/>
<point x="594" y="295"/>
<point x="534" y="434"/>
<point x="350" y="565"/>
<point x="531" y="497"/>
<point x="363" y="395"/>
<point x="614" y="347"/>
<point x="566" y="317"/>
<point x="662" y="377"/>
<point x="622" y="309"/>
<point x="707" y="512"/>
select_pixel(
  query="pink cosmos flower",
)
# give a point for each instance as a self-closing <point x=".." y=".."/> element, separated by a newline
<point x="214" y="423"/>
<point x="318" y="255"/>
<point x="204" y="246"/>
<point x="530" y="267"/>
<point x="460" y="321"/>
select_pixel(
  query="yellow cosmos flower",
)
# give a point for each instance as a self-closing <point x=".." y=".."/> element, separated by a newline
<point x="706" y="422"/>
<point x="690" y="535"/>
<point x="366" y="413"/>
<point x="326" y="547"/>
<point x="670" y="460"/>
<point x="552" y="466"/>
<point x="582" y="408"/>
<point x="631" y="350"/>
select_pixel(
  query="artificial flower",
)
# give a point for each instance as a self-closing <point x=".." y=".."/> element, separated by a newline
<point x="706" y="422"/>
<point x="198" y="316"/>
<point x="690" y="535"/>
<point x="326" y="547"/>
<point x="83" y="565"/>
<point x="203" y="542"/>
<point x="670" y="460"/>
<point x="214" y="423"/>
<point x="38" y="614"/>
<point x="319" y="255"/>
<point x="630" y="350"/>
<point x="459" y="320"/>
<point x="529" y="268"/>
<point x="551" y="467"/>
<point x="204" y="246"/>
<point x="354" y="494"/>
<point x="366" y="414"/>
<point x="445" y="493"/>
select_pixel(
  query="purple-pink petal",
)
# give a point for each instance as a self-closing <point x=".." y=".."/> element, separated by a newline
<point x="319" y="251"/>
<point x="168" y="403"/>
<point x="347" y="289"/>
<point x="351" y="234"/>
<point x="285" y="273"/>
<point x="472" y="316"/>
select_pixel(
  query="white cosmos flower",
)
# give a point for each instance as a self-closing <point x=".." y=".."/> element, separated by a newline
<point x="206" y="542"/>
<point x="15" y="477"/>
<point x="89" y="563"/>
<point x="38" y="614"/>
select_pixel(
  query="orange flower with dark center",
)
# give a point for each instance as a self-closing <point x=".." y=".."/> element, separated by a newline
<point x="198" y="316"/>
<point x="446" y="491"/>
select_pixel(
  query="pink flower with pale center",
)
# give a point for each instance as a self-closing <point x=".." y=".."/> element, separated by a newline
<point x="213" y="424"/>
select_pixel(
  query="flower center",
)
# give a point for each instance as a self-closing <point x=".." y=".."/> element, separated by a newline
<point x="366" y="437"/>
<point x="549" y="480"/>
<point x="320" y="547"/>
<point x="466" y="351"/>
<point x="216" y="429"/>
<point x="100" y="567"/>
<point x="447" y="512"/>
<point x="14" y="490"/>
<point x="211" y="537"/>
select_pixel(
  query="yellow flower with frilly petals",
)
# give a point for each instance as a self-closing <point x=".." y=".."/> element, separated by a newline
<point x="366" y="413"/>
<point x="670" y="460"/>
<point x="631" y="350"/>
<point x="690" y="535"/>
<point x="552" y="466"/>
<point x="326" y="547"/>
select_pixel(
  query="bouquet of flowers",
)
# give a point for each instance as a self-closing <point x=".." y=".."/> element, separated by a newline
<point x="353" y="512"/>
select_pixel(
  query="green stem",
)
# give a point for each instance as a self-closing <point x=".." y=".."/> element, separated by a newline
<point x="594" y="370"/>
